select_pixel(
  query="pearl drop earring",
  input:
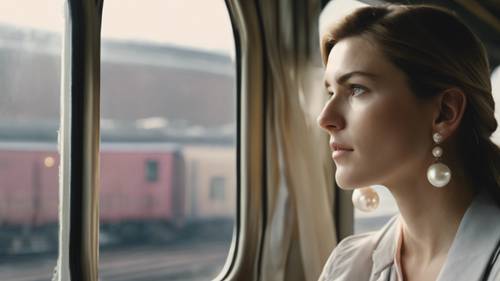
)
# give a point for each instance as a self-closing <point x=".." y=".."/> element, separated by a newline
<point x="438" y="173"/>
<point x="365" y="199"/>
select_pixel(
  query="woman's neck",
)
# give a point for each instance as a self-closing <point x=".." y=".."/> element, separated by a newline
<point x="431" y="216"/>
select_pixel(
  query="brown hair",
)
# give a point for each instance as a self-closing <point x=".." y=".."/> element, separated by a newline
<point x="436" y="51"/>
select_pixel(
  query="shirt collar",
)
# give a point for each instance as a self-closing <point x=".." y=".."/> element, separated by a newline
<point x="474" y="243"/>
<point x="470" y="251"/>
<point x="383" y="255"/>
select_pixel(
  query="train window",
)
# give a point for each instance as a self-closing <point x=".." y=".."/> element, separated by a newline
<point x="168" y="109"/>
<point x="151" y="170"/>
<point x="30" y="59"/>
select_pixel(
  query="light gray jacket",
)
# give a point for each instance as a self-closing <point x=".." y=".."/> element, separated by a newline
<point x="370" y="256"/>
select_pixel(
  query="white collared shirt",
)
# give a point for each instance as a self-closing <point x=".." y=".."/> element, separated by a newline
<point x="371" y="256"/>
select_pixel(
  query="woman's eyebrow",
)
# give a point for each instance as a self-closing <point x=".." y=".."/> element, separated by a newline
<point x="344" y="77"/>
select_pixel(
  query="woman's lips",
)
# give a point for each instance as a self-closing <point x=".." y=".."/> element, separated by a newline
<point x="340" y="152"/>
<point x="339" y="149"/>
<point x="339" y="146"/>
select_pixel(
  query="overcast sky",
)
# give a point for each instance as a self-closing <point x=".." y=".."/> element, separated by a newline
<point x="195" y="23"/>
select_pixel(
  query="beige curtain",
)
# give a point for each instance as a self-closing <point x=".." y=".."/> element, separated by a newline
<point x="300" y="231"/>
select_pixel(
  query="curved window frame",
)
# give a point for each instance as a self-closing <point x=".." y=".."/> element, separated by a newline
<point x="79" y="145"/>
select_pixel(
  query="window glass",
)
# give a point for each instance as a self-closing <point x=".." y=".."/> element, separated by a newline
<point x="30" y="59"/>
<point x="168" y="126"/>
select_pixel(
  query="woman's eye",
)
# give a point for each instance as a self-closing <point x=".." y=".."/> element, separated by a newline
<point x="357" y="90"/>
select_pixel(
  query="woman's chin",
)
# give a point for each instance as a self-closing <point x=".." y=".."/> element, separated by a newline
<point x="345" y="185"/>
<point x="346" y="188"/>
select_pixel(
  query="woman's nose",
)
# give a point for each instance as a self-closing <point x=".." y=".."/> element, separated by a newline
<point x="330" y="120"/>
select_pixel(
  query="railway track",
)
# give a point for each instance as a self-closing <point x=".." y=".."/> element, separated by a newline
<point x="201" y="261"/>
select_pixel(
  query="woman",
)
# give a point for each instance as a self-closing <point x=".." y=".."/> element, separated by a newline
<point x="402" y="81"/>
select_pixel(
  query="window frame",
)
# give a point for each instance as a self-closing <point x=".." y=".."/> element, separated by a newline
<point x="79" y="142"/>
<point x="79" y="148"/>
<point x="245" y="255"/>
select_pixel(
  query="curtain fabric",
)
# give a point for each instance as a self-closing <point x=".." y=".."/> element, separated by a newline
<point x="300" y="224"/>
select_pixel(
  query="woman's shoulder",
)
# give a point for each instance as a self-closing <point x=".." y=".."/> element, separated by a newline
<point x="352" y="257"/>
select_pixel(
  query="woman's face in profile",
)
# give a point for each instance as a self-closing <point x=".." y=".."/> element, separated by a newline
<point x="372" y="111"/>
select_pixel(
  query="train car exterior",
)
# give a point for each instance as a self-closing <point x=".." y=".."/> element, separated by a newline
<point x="141" y="182"/>
<point x="28" y="171"/>
<point x="210" y="182"/>
<point x="141" y="185"/>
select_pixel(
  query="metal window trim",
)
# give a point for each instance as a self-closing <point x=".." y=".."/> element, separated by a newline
<point x="244" y="257"/>
<point x="79" y="142"/>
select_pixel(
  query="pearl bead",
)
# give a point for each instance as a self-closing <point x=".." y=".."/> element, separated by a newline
<point x="438" y="174"/>
<point x="437" y="151"/>
<point x="437" y="137"/>
<point x="365" y="199"/>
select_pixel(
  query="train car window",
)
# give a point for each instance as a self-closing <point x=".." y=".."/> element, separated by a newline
<point x="217" y="188"/>
<point x="30" y="59"/>
<point x="168" y="147"/>
<point x="151" y="170"/>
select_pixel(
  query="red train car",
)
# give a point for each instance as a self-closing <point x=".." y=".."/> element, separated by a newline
<point x="142" y="184"/>
<point x="28" y="184"/>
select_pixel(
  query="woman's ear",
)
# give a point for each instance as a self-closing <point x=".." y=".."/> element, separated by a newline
<point x="449" y="111"/>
